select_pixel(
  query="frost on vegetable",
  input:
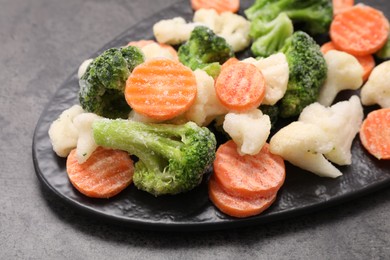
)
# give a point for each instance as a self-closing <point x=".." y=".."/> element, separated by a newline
<point x="377" y="88"/>
<point x="248" y="130"/>
<point x="304" y="145"/>
<point x="344" y="72"/>
<point x="341" y="122"/>
<point x="275" y="71"/>
<point x="62" y="132"/>
<point x="154" y="50"/>
<point x="86" y="144"/>
<point x="173" y="31"/>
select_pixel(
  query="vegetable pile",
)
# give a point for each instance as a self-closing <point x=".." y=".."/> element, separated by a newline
<point x="149" y="112"/>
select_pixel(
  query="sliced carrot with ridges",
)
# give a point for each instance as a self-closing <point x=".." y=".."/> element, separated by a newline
<point x="218" y="5"/>
<point x="375" y="133"/>
<point x="367" y="61"/>
<point x="359" y="30"/>
<point x="235" y="206"/>
<point x="240" y="87"/>
<point x="106" y="172"/>
<point x="340" y="6"/>
<point x="229" y="62"/>
<point x="161" y="88"/>
<point x="143" y="43"/>
<point x="248" y="175"/>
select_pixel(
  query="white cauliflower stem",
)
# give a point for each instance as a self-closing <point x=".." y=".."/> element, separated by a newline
<point x="377" y="90"/>
<point x="344" y="72"/>
<point x="63" y="134"/>
<point x="248" y="130"/>
<point x="275" y="71"/>
<point x="206" y="106"/>
<point x="85" y="142"/>
<point x="303" y="144"/>
<point x="341" y="122"/>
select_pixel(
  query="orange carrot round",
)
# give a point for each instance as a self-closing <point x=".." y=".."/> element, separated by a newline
<point x="229" y="62"/>
<point x="235" y="206"/>
<point x="240" y="87"/>
<point x="143" y="43"/>
<point x="248" y="175"/>
<point x="340" y="6"/>
<point x="375" y="133"/>
<point x="161" y="88"/>
<point x="218" y="5"/>
<point x="359" y="30"/>
<point x="106" y="172"/>
<point x="367" y="61"/>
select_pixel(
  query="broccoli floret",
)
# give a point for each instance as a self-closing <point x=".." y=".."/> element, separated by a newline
<point x="270" y="36"/>
<point x="307" y="73"/>
<point x="103" y="83"/>
<point x="204" y="47"/>
<point x="172" y="158"/>
<point x="212" y="69"/>
<point x="314" y="16"/>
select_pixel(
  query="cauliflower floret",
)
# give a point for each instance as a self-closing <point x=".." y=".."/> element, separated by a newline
<point x="377" y="90"/>
<point x="275" y="71"/>
<point x="85" y="143"/>
<point x="173" y="31"/>
<point x="344" y="72"/>
<point x="154" y="50"/>
<point x="63" y="134"/>
<point x="303" y="144"/>
<point x="341" y="122"/>
<point x="248" y="130"/>
<point x="83" y="68"/>
<point x="233" y="27"/>
<point x="207" y="105"/>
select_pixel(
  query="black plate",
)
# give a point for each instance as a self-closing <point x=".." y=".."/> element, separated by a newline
<point x="302" y="192"/>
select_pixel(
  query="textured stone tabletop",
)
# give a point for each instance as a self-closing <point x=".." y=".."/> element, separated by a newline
<point x="42" y="43"/>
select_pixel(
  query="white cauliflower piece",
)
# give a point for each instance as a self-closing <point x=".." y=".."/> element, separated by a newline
<point x="341" y="122"/>
<point x="63" y="134"/>
<point x="154" y="50"/>
<point x="377" y="90"/>
<point x="344" y="72"/>
<point x="207" y="105"/>
<point x="86" y="144"/>
<point x="248" y="130"/>
<point x="233" y="27"/>
<point x="83" y="68"/>
<point x="173" y="31"/>
<point x="303" y="144"/>
<point x="275" y="71"/>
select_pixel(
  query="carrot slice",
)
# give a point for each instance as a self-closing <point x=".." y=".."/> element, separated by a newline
<point x="106" y="172"/>
<point x="143" y="43"/>
<point x="375" y="133"/>
<point x="340" y="6"/>
<point x="359" y="30"/>
<point x="367" y="61"/>
<point x="240" y="87"/>
<point x="248" y="175"/>
<point x="235" y="206"/>
<point x="161" y="88"/>
<point x="229" y="62"/>
<point x="218" y="5"/>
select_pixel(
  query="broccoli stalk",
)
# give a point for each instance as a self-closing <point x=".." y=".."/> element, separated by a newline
<point x="315" y="16"/>
<point x="203" y="48"/>
<point x="270" y="35"/>
<point x="307" y="73"/>
<point x="103" y="83"/>
<point x="172" y="158"/>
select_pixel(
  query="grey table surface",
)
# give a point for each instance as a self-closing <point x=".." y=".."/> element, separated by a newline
<point x="42" y="43"/>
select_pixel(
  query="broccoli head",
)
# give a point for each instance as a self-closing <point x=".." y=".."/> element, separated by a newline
<point x="102" y="85"/>
<point x="204" y="47"/>
<point x="314" y="16"/>
<point x="172" y="158"/>
<point x="307" y="73"/>
<point x="270" y="35"/>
